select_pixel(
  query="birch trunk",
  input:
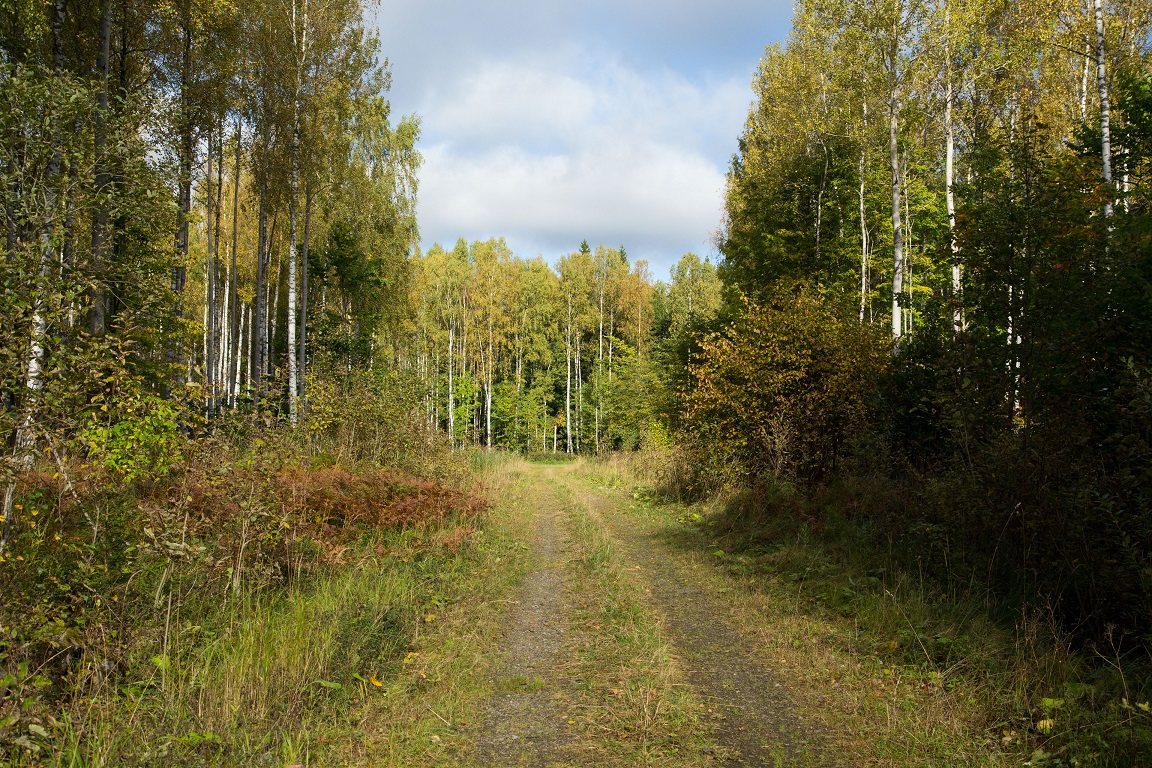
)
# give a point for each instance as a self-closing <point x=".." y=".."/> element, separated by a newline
<point x="863" y="241"/>
<point x="599" y="367"/>
<point x="209" y="293"/>
<point x="1105" y="106"/>
<point x="234" y="371"/>
<point x="294" y="182"/>
<point x="234" y="317"/>
<point x="1084" y="80"/>
<point x="950" y="203"/>
<point x="897" y="228"/>
<point x="259" y="338"/>
<point x="579" y="394"/>
<point x="25" y="440"/>
<point x="275" y="321"/>
<point x="251" y="348"/>
<point x="302" y="358"/>
<point x="98" y="311"/>
<point x="451" y="390"/>
<point x="568" y="380"/>
<point x="184" y="196"/>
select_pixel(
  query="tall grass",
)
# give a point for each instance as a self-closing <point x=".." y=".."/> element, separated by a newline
<point x="1011" y="678"/>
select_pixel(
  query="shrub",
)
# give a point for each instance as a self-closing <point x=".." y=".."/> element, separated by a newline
<point x="784" y="387"/>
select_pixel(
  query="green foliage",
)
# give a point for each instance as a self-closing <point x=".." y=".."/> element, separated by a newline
<point x="140" y="437"/>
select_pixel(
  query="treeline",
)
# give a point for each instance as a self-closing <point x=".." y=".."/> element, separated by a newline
<point x="937" y="249"/>
<point x="516" y="354"/>
<point x="200" y="201"/>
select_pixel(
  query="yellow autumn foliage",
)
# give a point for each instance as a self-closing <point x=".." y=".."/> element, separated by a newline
<point x="784" y="387"/>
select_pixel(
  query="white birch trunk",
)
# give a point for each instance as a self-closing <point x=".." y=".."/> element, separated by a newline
<point x="897" y="227"/>
<point x="863" y="240"/>
<point x="1105" y="107"/>
<point x="950" y="203"/>
<point x="568" y="379"/>
<point x="209" y="291"/>
<point x="451" y="391"/>
<point x="236" y="366"/>
<point x="271" y="369"/>
<point x="293" y="386"/>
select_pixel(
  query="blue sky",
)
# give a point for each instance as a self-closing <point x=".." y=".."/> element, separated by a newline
<point x="548" y="123"/>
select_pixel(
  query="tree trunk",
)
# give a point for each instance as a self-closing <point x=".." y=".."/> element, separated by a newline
<point x="301" y="362"/>
<point x="184" y="194"/>
<point x="209" y="292"/>
<point x="25" y="438"/>
<point x="97" y="313"/>
<point x="270" y="355"/>
<point x="250" y="352"/>
<point x="259" y="339"/>
<point x="293" y="386"/>
<point x="897" y="228"/>
<point x="1084" y="80"/>
<point x="568" y="380"/>
<point x="950" y="203"/>
<point x="234" y="316"/>
<point x="579" y="394"/>
<point x="863" y="240"/>
<point x="1105" y="107"/>
<point x="223" y="383"/>
<point x="451" y="390"/>
<point x="820" y="198"/>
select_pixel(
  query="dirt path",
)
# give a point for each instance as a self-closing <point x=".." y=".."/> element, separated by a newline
<point x="525" y="719"/>
<point x="753" y="722"/>
<point x="744" y="711"/>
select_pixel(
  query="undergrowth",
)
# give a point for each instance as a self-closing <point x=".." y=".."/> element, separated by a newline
<point x="225" y="606"/>
<point x="1003" y="681"/>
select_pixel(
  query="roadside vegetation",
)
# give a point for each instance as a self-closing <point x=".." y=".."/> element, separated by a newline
<point x="900" y="662"/>
<point x="231" y="599"/>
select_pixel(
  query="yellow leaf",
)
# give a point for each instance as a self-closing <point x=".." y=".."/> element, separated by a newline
<point x="1045" y="726"/>
<point x="372" y="679"/>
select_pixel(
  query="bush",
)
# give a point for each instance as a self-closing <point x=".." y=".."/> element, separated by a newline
<point x="783" y="389"/>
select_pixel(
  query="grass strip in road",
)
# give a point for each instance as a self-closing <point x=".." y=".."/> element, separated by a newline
<point x="635" y="711"/>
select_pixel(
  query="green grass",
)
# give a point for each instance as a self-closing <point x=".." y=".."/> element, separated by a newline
<point x="364" y="663"/>
<point x="908" y="668"/>
<point x="636" y="709"/>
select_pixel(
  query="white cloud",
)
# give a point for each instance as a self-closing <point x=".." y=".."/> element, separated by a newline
<point x="550" y="122"/>
<point x="547" y="158"/>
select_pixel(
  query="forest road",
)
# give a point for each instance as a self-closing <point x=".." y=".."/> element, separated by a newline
<point x="745" y="711"/>
<point x="525" y="721"/>
<point x="748" y="709"/>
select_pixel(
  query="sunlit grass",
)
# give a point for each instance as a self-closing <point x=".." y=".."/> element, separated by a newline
<point x="360" y="664"/>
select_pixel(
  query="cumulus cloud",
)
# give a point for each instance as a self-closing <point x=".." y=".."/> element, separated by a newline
<point x="548" y="158"/>
<point x="549" y="123"/>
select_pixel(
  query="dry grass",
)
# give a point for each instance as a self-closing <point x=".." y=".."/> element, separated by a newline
<point x="859" y="667"/>
<point x="636" y="709"/>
